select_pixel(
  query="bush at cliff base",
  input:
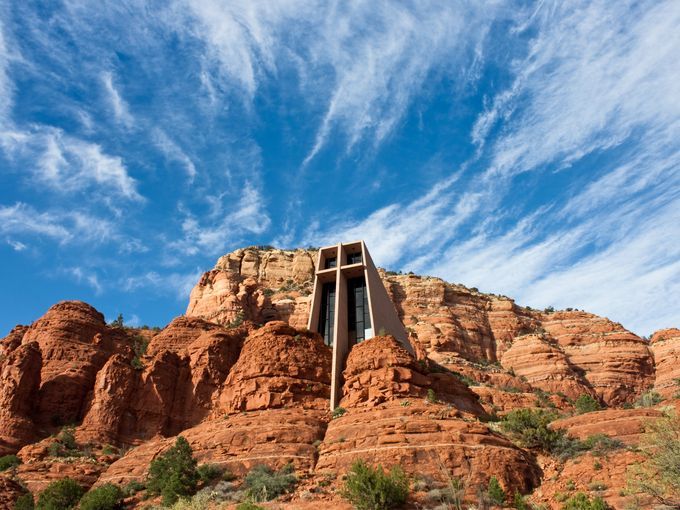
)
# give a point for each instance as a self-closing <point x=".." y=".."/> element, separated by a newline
<point x="581" y="501"/>
<point x="106" y="497"/>
<point x="263" y="483"/>
<point x="369" y="488"/>
<point x="173" y="474"/>
<point x="63" y="494"/>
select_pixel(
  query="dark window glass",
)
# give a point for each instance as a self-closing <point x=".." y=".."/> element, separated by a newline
<point x="354" y="258"/>
<point x="327" y="316"/>
<point x="331" y="262"/>
<point x="358" y="315"/>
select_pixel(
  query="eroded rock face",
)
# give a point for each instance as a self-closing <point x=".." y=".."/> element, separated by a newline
<point x="279" y="366"/>
<point x="75" y="343"/>
<point x="426" y="440"/>
<point x="665" y="345"/>
<point x="381" y="370"/>
<point x="19" y="385"/>
<point x="10" y="490"/>
<point x="542" y="362"/>
<point x="274" y="437"/>
<point x="626" y="425"/>
<point x="617" y="364"/>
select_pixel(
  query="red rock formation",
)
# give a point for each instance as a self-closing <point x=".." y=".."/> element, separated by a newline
<point x="279" y="366"/>
<point x="623" y="424"/>
<point x="19" y="384"/>
<point x="426" y="440"/>
<point x="380" y="370"/>
<point x="10" y="490"/>
<point x="617" y="364"/>
<point x="544" y="365"/>
<point x="665" y="345"/>
<point x="75" y="343"/>
<point x="12" y="340"/>
<point x="238" y="442"/>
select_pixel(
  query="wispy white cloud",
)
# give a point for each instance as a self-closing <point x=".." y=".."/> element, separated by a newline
<point x="174" y="152"/>
<point x="6" y="85"/>
<point x="16" y="245"/>
<point x="85" y="276"/>
<point x="180" y="283"/>
<point x="68" y="164"/>
<point x="249" y="216"/>
<point x="121" y="110"/>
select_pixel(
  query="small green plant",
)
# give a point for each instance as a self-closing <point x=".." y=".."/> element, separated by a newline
<point x="173" y="474"/>
<point x="61" y="494"/>
<point x="8" y="462"/>
<point x="581" y="501"/>
<point x="238" y="320"/>
<point x="118" y="322"/>
<point x="133" y="487"/>
<point x="371" y="488"/>
<point x="405" y="403"/>
<point x="104" y="497"/>
<point x="518" y="502"/>
<point x="24" y="502"/>
<point x="571" y="485"/>
<point x="139" y="346"/>
<point x="109" y="450"/>
<point x="338" y="412"/>
<point x="209" y="472"/>
<point x="495" y="492"/>
<point x="597" y="466"/>
<point x="247" y="505"/>
<point x="263" y="483"/>
<point x="586" y="404"/>
<point x="530" y="428"/>
<point x="431" y="396"/>
<point x="649" y="399"/>
<point x="65" y="444"/>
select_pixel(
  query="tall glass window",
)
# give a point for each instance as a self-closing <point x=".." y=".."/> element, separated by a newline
<point x="358" y="314"/>
<point x="327" y="316"/>
<point x="354" y="258"/>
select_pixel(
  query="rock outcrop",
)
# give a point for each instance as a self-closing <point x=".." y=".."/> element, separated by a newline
<point x="19" y="385"/>
<point x="665" y="345"/>
<point x="279" y="366"/>
<point x="626" y="425"/>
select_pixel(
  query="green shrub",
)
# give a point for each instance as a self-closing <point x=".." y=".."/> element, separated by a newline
<point x="586" y="404"/>
<point x="369" y="488"/>
<point x="263" y="483"/>
<point x="60" y="495"/>
<point x="580" y="501"/>
<point x="24" y="502"/>
<point x="495" y="492"/>
<point x="338" y="412"/>
<point x="518" y="502"/>
<point x="209" y="472"/>
<point x="247" y="505"/>
<point x="530" y="428"/>
<point x="649" y="399"/>
<point x="105" y="497"/>
<point x="109" y="450"/>
<point x="173" y="473"/>
<point x="65" y="444"/>
<point x="133" y="487"/>
<point x="9" y="461"/>
<point x="431" y="396"/>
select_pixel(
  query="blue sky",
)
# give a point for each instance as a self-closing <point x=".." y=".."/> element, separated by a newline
<point x="528" y="149"/>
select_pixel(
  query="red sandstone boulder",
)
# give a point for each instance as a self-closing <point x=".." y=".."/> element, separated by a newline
<point x="665" y="345"/>
<point x="19" y="384"/>
<point x="623" y="424"/>
<point x="279" y="366"/>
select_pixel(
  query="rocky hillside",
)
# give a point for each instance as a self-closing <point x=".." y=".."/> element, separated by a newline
<point x="241" y="379"/>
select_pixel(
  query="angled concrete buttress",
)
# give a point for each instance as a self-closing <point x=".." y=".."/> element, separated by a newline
<point x="350" y="305"/>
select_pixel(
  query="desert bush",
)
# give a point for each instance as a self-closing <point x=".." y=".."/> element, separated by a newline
<point x="586" y="404"/>
<point x="519" y="503"/>
<point x="62" y="494"/>
<point x="65" y="444"/>
<point x="139" y="346"/>
<point x="105" y="497"/>
<point x="371" y="488"/>
<point x="581" y="501"/>
<point x="648" y="399"/>
<point x="431" y="396"/>
<point x="24" y="502"/>
<point x="9" y="461"/>
<point x="338" y="412"/>
<point x="263" y="483"/>
<point x="247" y="505"/>
<point x="133" y="487"/>
<point x="530" y="428"/>
<point x="495" y="492"/>
<point x="209" y="472"/>
<point x="173" y="473"/>
<point x="659" y="474"/>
